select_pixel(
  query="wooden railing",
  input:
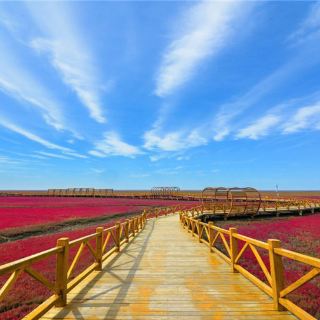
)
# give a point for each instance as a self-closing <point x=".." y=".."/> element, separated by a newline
<point x="119" y="234"/>
<point x="107" y="241"/>
<point x="273" y="285"/>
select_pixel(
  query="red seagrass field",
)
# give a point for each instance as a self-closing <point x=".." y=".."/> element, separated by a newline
<point x="24" y="212"/>
<point x="21" y="218"/>
<point x="29" y="225"/>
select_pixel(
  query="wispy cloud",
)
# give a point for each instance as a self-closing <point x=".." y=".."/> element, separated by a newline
<point x="169" y="171"/>
<point x="172" y="141"/>
<point x="53" y="155"/>
<point x="7" y="160"/>
<point x="75" y="154"/>
<point x="10" y="24"/>
<point x="287" y="118"/>
<point x="17" y="82"/>
<point x="204" y="30"/>
<point x="303" y="58"/>
<point x="97" y="171"/>
<point x="260" y="128"/>
<point x="112" y="145"/>
<point x="223" y="121"/>
<point x="31" y="136"/>
<point x="309" y="29"/>
<point x="307" y="117"/>
<point x="69" y="54"/>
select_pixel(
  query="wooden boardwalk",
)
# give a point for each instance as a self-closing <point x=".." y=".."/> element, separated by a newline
<point x="164" y="273"/>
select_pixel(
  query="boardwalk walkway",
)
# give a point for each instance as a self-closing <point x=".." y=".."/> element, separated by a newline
<point x="166" y="274"/>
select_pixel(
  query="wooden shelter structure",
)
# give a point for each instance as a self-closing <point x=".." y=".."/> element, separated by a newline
<point x="165" y="192"/>
<point x="231" y="201"/>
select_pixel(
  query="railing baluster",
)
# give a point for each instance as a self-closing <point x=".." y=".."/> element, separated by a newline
<point x="99" y="245"/>
<point x="62" y="271"/>
<point x="127" y="230"/>
<point x="233" y="247"/>
<point x="277" y="273"/>
<point x="117" y="236"/>
<point x="199" y="231"/>
<point x="133" y="227"/>
<point x="210" y="235"/>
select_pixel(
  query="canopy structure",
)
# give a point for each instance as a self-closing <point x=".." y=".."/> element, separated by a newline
<point x="231" y="201"/>
<point x="80" y="192"/>
<point x="165" y="192"/>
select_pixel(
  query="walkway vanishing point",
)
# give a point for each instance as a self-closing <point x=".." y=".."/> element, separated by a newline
<point x="164" y="273"/>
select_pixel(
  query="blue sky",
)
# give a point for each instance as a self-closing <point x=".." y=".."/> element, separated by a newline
<point x="142" y="94"/>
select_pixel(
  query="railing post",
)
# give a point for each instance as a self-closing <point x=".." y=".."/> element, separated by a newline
<point x="210" y="225"/>
<point x="126" y="230"/>
<point x="140" y="222"/>
<point x="233" y="247"/>
<point x="145" y="218"/>
<point x="277" y="273"/>
<point x="192" y="226"/>
<point x="117" y="236"/>
<point x="133" y="227"/>
<point x="62" y="271"/>
<point x="198" y="229"/>
<point x="99" y="245"/>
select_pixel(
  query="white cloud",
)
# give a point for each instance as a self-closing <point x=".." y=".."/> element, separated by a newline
<point x="260" y="128"/>
<point x="75" y="154"/>
<point x="112" y="145"/>
<point x="97" y="171"/>
<point x="172" y="141"/>
<point x="7" y="160"/>
<point x="182" y="158"/>
<point x="169" y="171"/>
<point x="222" y="123"/>
<point x="69" y="54"/>
<point x="204" y="30"/>
<point x="305" y="117"/>
<point x="96" y="153"/>
<point x="10" y="24"/>
<point x="309" y="29"/>
<point x="17" y="82"/>
<point x="31" y="136"/>
<point x="53" y="155"/>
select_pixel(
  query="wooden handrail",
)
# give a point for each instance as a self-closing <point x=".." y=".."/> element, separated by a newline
<point x="275" y="278"/>
<point x="18" y="264"/>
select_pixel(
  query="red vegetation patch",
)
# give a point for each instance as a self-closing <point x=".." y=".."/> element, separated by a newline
<point x="27" y="293"/>
<point x="21" y="212"/>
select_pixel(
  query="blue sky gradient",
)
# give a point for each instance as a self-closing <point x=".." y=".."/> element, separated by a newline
<point x="131" y="95"/>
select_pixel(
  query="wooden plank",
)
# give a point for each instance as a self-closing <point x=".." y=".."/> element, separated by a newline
<point x="164" y="273"/>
